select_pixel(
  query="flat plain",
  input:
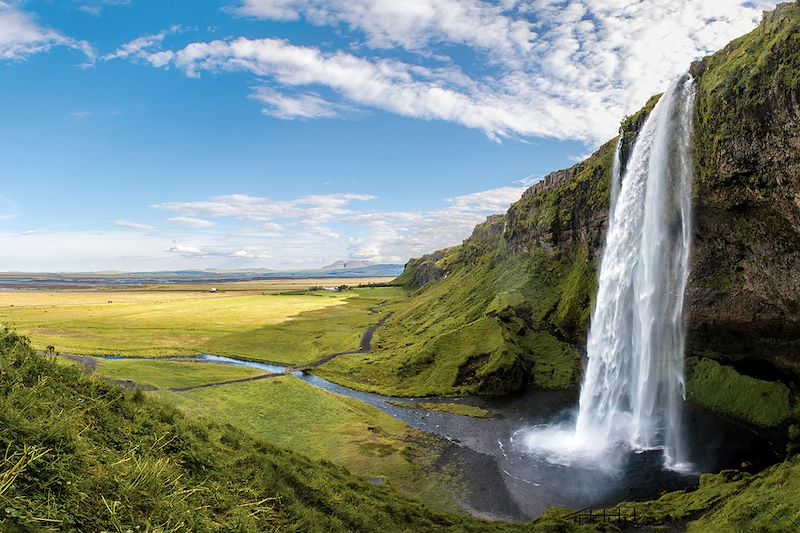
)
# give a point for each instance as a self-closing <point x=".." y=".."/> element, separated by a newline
<point x="290" y="322"/>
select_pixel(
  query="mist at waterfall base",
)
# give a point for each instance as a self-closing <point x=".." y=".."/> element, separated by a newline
<point x="631" y="399"/>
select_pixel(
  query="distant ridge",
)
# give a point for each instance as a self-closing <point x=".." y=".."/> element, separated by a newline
<point x="341" y="265"/>
<point x="341" y="269"/>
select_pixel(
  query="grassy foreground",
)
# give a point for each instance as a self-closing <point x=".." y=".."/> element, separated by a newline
<point x="81" y="455"/>
<point x="287" y="329"/>
<point x="290" y="413"/>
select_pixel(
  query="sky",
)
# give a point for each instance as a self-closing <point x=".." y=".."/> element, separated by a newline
<point x="143" y="135"/>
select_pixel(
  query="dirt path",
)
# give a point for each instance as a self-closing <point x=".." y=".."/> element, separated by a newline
<point x="366" y="347"/>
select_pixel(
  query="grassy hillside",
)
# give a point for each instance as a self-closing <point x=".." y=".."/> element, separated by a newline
<point x="505" y="308"/>
<point x="292" y="414"/>
<point x="728" y="501"/>
<point x="86" y="456"/>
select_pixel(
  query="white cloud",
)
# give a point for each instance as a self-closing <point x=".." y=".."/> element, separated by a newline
<point x="21" y="37"/>
<point x="184" y="249"/>
<point x="568" y="69"/>
<point x="132" y="225"/>
<point x="190" y="222"/>
<point x="413" y="24"/>
<point x="313" y="209"/>
<point x="302" y="106"/>
<point x="305" y="232"/>
<point x="142" y="48"/>
<point x="95" y="7"/>
<point x="304" y="227"/>
<point x="82" y="114"/>
<point x="397" y="236"/>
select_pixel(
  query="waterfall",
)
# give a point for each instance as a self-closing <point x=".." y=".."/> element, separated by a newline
<point x="634" y="386"/>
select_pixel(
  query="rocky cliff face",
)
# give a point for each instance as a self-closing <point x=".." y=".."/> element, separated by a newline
<point x="744" y="292"/>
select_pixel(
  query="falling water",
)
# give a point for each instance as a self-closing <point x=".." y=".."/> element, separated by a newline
<point x="634" y="385"/>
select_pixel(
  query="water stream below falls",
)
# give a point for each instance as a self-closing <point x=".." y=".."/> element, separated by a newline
<point x="502" y="479"/>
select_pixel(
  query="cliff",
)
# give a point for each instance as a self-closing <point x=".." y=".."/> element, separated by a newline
<point x="510" y="306"/>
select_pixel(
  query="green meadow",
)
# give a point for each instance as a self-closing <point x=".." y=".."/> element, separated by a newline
<point x="292" y="414"/>
<point x="289" y="328"/>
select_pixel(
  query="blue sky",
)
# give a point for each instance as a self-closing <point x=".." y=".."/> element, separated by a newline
<point x="150" y="135"/>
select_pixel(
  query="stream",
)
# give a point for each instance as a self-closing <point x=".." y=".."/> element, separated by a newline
<point x="502" y="480"/>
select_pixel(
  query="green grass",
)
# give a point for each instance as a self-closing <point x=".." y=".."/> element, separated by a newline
<point x="769" y="503"/>
<point x="285" y="329"/>
<point x="171" y="374"/>
<point x="82" y="455"/>
<point x="722" y="389"/>
<point x="313" y="334"/>
<point x="680" y="505"/>
<point x="292" y="414"/>
<point x="452" y="408"/>
<point x="728" y="501"/>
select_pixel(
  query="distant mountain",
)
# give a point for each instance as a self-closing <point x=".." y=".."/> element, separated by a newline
<point x="341" y="269"/>
<point x="353" y="270"/>
<point x="341" y="265"/>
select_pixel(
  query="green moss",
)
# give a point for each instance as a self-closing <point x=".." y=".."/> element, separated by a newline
<point x="633" y="122"/>
<point x="679" y="505"/>
<point x="563" y="211"/>
<point x="577" y="294"/>
<point x="768" y="502"/>
<point x="555" y="363"/>
<point x="735" y="86"/>
<point x="728" y="501"/>
<point x="724" y="390"/>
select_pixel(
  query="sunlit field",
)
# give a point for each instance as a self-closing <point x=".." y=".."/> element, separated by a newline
<point x="277" y="323"/>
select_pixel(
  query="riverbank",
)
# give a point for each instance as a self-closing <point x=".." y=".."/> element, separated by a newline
<point x="491" y="472"/>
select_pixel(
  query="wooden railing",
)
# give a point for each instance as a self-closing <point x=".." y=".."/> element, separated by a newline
<point x="590" y="515"/>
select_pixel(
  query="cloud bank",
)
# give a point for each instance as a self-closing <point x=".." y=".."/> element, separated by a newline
<point x="567" y="69"/>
